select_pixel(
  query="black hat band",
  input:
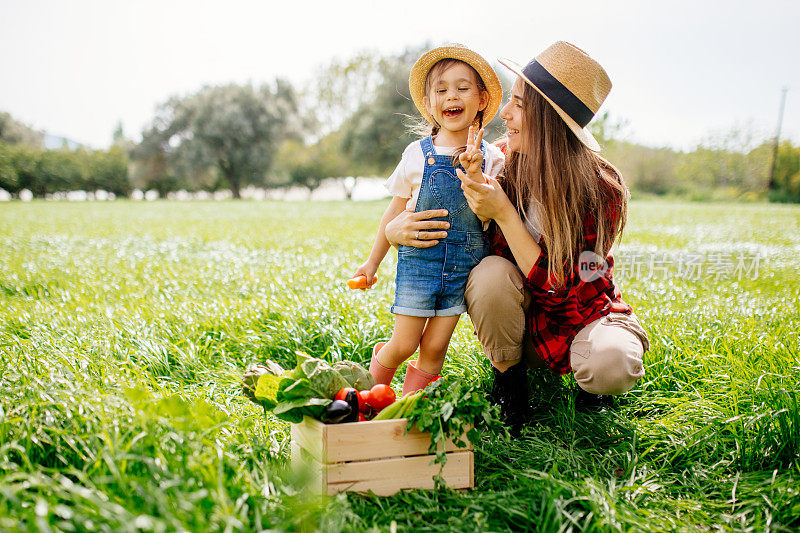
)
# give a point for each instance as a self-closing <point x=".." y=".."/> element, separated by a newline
<point x="558" y="93"/>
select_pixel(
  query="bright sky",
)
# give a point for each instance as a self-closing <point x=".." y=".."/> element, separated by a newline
<point x="681" y="70"/>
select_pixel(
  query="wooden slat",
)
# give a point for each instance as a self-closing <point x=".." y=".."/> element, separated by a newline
<point x="309" y="469"/>
<point x="471" y="470"/>
<point x="310" y="435"/>
<point x="359" y="441"/>
<point x="387" y="476"/>
<point x="296" y="451"/>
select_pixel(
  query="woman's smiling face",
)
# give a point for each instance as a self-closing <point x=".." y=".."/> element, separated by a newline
<point x="511" y="113"/>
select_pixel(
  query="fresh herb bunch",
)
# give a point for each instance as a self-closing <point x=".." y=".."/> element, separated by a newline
<point x="451" y="407"/>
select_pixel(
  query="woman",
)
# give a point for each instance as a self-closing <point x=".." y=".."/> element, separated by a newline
<point x="546" y="297"/>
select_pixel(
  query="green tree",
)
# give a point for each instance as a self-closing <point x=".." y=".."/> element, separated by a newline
<point x="26" y="162"/>
<point x="375" y="136"/>
<point x="787" y="172"/>
<point x="608" y="129"/>
<point x="339" y="88"/>
<point x="108" y="170"/>
<point x="235" y="129"/>
<point x="14" y="132"/>
<point x="61" y="170"/>
<point x="645" y="169"/>
<point x="9" y="178"/>
<point x="308" y="166"/>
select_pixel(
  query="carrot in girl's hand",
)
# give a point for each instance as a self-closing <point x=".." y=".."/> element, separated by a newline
<point x="360" y="282"/>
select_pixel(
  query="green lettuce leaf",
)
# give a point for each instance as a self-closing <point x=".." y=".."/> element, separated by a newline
<point x="308" y="389"/>
<point x="267" y="390"/>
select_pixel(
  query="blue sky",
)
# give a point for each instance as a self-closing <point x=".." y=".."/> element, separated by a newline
<point x="682" y="71"/>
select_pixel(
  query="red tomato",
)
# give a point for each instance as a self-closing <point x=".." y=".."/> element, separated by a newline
<point x="363" y="401"/>
<point x="381" y="396"/>
<point x="342" y="394"/>
<point x="361" y="417"/>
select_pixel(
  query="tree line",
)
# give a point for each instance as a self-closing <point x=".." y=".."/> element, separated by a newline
<point x="25" y="164"/>
<point x="354" y="118"/>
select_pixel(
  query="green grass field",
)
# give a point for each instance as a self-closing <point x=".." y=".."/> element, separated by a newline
<point x="124" y="328"/>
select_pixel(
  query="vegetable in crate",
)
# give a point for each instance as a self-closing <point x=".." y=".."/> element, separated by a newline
<point x="450" y="407"/>
<point x="401" y="407"/>
<point x="352" y="401"/>
<point x="363" y="401"/>
<point x="356" y="375"/>
<point x="305" y="390"/>
<point x="342" y="394"/>
<point x="354" y="398"/>
<point x="337" y="411"/>
<point x="380" y="396"/>
<point x="308" y="389"/>
<point x="269" y="386"/>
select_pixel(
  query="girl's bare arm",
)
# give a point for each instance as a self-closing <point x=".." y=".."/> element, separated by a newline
<point x="381" y="244"/>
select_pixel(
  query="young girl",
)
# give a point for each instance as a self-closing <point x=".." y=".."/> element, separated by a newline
<point x="454" y="89"/>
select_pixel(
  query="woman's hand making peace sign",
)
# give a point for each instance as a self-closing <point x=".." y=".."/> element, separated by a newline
<point x="484" y="194"/>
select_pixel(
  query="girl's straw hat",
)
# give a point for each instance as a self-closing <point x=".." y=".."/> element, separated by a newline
<point x="571" y="81"/>
<point x="419" y="73"/>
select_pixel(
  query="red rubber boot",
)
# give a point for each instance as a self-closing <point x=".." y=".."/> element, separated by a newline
<point x="381" y="373"/>
<point x="416" y="379"/>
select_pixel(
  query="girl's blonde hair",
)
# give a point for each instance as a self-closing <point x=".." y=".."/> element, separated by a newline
<point x="569" y="181"/>
<point x="420" y="126"/>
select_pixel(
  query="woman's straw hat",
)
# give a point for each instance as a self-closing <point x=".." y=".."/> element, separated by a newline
<point x="419" y="73"/>
<point x="571" y="81"/>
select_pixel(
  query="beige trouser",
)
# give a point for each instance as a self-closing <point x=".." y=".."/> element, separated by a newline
<point x="606" y="355"/>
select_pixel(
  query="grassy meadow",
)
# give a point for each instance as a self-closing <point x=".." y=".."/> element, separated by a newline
<point x="124" y="328"/>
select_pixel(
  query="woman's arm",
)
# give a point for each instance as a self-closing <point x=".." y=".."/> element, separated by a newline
<point x="488" y="200"/>
<point x="524" y="248"/>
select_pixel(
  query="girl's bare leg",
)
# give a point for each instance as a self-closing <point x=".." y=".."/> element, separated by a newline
<point x="434" y="343"/>
<point x="404" y="342"/>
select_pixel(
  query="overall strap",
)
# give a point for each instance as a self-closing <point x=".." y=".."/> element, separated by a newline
<point x="427" y="146"/>
<point x="484" y="145"/>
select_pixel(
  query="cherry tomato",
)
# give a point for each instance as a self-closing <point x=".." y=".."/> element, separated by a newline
<point x="381" y="396"/>
<point x="363" y="401"/>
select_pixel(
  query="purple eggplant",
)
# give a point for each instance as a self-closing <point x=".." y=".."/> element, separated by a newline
<point x="338" y="411"/>
<point x="352" y="401"/>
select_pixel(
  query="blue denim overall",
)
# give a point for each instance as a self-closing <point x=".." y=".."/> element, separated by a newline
<point x="431" y="281"/>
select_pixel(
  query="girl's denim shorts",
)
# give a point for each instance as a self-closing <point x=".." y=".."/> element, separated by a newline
<point x="431" y="281"/>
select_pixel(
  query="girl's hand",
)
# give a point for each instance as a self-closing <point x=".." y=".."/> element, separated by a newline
<point x="486" y="197"/>
<point x="472" y="158"/>
<point x="414" y="229"/>
<point x="368" y="269"/>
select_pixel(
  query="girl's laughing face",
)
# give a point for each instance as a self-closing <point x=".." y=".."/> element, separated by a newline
<point x="455" y="98"/>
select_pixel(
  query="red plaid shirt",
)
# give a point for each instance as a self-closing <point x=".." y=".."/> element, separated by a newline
<point x="557" y="314"/>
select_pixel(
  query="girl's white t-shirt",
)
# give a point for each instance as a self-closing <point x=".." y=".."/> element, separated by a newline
<point x="406" y="179"/>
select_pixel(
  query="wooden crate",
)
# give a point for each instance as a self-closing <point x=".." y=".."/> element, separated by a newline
<point x="377" y="456"/>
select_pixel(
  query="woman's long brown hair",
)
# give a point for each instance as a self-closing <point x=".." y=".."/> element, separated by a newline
<point x="568" y="181"/>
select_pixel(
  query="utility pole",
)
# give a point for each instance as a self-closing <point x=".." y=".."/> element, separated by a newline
<point x="777" y="140"/>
